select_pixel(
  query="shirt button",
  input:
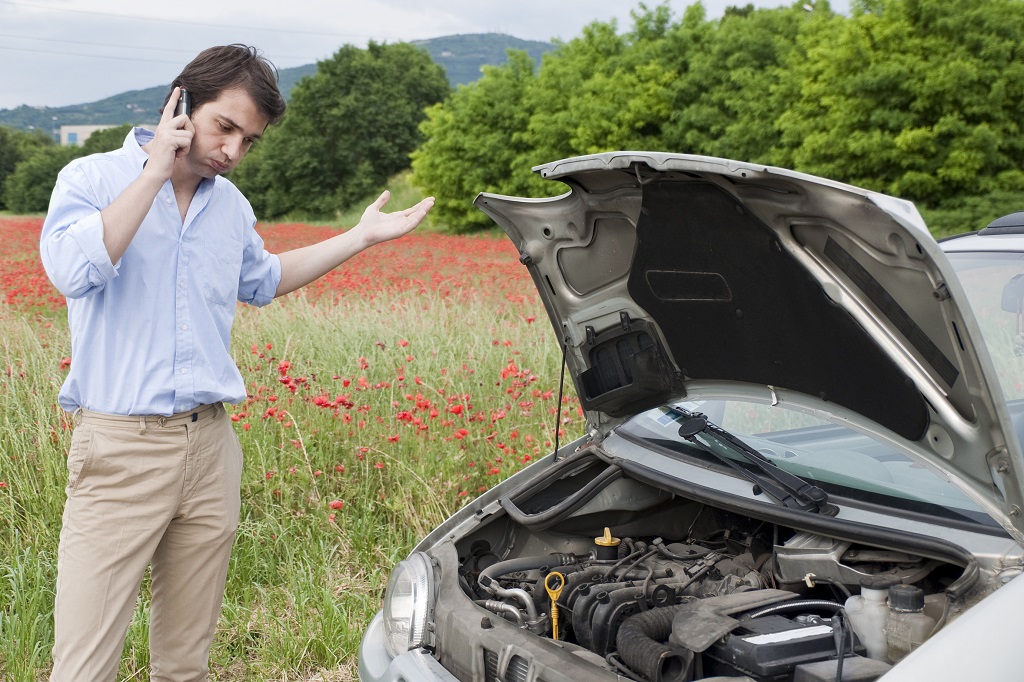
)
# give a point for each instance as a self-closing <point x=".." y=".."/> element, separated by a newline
<point x="168" y="200"/>
<point x="184" y="370"/>
<point x="181" y="284"/>
<point x="184" y="327"/>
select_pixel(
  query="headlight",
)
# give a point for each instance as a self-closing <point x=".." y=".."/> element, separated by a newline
<point x="408" y="604"/>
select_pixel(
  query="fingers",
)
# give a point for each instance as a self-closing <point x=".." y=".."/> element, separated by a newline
<point x="424" y="205"/>
<point x="172" y="140"/>
<point x="418" y="213"/>
<point x="377" y="226"/>
<point x="167" y="117"/>
<point x="172" y="101"/>
<point x="395" y="224"/>
<point x="382" y="200"/>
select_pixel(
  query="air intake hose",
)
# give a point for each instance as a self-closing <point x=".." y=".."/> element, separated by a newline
<point x="641" y="645"/>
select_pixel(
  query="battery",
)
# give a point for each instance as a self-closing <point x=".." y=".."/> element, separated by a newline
<point x="855" y="669"/>
<point x="770" y="647"/>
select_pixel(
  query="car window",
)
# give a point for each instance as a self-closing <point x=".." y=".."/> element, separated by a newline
<point x="843" y="461"/>
<point x="994" y="283"/>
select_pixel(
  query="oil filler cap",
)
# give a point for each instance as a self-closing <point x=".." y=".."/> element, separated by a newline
<point x="607" y="546"/>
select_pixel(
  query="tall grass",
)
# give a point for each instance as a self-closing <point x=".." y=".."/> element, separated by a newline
<point x="367" y="423"/>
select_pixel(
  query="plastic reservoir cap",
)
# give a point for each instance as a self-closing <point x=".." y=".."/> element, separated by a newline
<point x="906" y="598"/>
<point x="607" y="540"/>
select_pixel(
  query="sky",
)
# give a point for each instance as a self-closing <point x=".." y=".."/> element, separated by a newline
<point x="61" y="52"/>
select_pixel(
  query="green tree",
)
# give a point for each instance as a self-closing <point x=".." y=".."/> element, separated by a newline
<point x="349" y="127"/>
<point x="599" y="92"/>
<point x="731" y="88"/>
<point x="471" y="142"/>
<point x="604" y="91"/>
<point x="565" y="81"/>
<point x="15" y="146"/>
<point x="105" y="140"/>
<point x="28" y="188"/>
<point x="919" y="98"/>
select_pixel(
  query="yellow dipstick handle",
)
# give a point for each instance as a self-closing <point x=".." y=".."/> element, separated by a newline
<point x="554" y="592"/>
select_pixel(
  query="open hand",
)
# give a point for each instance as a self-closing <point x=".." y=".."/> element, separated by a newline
<point x="375" y="226"/>
<point x="301" y="266"/>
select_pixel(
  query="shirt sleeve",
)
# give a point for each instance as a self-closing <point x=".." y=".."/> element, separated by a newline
<point x="71" y="244"/>
<point x="261" y="270"/>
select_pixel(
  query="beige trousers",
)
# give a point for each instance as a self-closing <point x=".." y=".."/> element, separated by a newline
<point x="145" y="490"/>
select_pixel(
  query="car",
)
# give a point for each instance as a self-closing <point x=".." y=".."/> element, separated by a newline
<point x="802" y="457"/>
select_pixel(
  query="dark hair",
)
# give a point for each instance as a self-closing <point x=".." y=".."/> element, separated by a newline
<point x="221" y="68"/>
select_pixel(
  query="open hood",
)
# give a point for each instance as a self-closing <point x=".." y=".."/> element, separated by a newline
<point x="664" y="272"/>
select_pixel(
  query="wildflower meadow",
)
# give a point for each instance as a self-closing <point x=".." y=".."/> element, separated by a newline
<point x="380" y="400"/>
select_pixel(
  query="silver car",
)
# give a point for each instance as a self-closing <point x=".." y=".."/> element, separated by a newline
<point x="801" y="459"/>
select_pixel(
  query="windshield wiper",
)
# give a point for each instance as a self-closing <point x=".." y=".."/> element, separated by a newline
<point x="788" y="489"/>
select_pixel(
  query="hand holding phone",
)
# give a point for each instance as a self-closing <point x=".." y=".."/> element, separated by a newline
<point x="184" y="105"/>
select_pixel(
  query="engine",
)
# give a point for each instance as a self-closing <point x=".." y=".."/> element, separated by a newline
<point x="728" y="596"/>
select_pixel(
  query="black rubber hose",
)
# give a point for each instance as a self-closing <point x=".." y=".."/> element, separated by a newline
<point x="966" y="582"/>
<point x="697" y="554"/>
<point x="558" y="512"/>
<point x="809" y="604"/>
<point x="640" y="644"/>
<point x="526" y="563"/>
<point x="586" y="605"/>
<point x="557" y="470"/>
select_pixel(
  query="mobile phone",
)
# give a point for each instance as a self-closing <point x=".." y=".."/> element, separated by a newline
<point x="184" y="105"/>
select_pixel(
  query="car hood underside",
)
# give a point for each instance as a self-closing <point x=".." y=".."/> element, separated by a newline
<point x="662" y="272"/>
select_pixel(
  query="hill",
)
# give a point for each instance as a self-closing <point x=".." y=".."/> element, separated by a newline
<point x="462" y="56"/>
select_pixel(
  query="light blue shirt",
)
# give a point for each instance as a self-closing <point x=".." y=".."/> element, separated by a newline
<point x="150" y="334"/>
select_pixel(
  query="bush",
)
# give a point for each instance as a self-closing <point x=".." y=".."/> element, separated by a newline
<point x="27" y="189"/>
<point x="15" y="146"/>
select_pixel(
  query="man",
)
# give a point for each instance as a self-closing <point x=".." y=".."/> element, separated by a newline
<point x="152" y="249"/>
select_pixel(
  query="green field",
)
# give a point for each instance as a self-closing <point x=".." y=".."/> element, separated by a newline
<point x="373" y="413"/>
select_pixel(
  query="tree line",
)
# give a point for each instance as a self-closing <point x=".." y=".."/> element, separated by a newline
<point x="348" y="128"/>
<point x="922" y="99"/>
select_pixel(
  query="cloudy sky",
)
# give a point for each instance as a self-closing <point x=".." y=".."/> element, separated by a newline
<point x="60" y="52"/>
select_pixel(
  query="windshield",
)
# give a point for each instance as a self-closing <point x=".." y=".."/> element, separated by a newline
<point x="855" y="465"/>
<point x="994" y="282"/>
<point x="841" y="461"/>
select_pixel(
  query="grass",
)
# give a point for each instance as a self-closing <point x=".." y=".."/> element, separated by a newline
<point x="372" y="415"/>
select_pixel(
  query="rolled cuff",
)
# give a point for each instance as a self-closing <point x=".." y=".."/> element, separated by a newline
<point x="267" y="289"/>
<point x="88" y="234"/>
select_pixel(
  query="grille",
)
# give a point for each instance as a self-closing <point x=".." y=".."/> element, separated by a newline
<point x="518" y="670"/>
<point x="490" y="666"/>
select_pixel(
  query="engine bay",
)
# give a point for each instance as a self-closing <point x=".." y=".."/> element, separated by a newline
<point x="646" y="584"/>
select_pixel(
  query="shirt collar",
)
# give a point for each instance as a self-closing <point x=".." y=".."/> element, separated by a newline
<point x="133" y="144"/>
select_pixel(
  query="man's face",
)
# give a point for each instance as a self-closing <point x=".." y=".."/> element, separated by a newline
<point x="226" y="128"/>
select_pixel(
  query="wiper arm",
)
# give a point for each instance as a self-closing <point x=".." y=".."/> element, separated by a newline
<point x="788" y="489"/>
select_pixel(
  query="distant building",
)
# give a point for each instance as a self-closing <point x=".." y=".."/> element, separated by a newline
<point x="76" y="135"/>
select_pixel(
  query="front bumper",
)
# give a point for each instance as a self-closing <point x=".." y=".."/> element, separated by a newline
<point x="376" y="665"/>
